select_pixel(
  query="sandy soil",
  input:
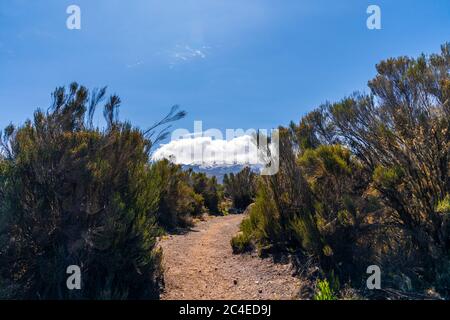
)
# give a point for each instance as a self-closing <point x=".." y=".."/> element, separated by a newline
<point x="200" y="265"/>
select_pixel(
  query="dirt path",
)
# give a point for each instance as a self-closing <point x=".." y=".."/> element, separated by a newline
<point x="200" y="265"/>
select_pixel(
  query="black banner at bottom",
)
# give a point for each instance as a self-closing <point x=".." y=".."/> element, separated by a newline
<point x="222" y="309"/>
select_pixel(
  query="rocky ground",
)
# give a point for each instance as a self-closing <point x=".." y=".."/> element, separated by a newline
<point x="200" y="265"/>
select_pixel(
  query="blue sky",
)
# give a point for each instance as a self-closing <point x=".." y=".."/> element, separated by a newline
<point x="230" y="63"/>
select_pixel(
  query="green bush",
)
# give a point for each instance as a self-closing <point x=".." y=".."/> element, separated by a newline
<point x="208" y="188"/>
<point x="184" y="195"/>
<point x="241" y="243"/>
<point x="366" y="180"/>
<point x="240" y="188"/>
<point x="74" y="194"/>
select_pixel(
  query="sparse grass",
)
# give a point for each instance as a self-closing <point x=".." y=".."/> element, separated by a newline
<point x="324" y="291"/>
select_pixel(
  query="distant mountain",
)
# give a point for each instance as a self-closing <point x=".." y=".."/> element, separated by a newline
<point x="219" y="171"/>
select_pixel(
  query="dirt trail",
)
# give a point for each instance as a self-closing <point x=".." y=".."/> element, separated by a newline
<point x="200" y="265"/>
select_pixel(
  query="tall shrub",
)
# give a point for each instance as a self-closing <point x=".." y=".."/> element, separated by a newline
<point x="75" y="194"/>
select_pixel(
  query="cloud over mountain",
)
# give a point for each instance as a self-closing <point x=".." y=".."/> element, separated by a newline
<point x="206" y="151"/>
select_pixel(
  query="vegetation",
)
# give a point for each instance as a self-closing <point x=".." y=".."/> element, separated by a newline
<point x="240" y="188"/>
<point x="208" y="188"/>
<point x="178" y="202"/>
<point x="366" y="181"/>
<point x="183" y="195"/>
<point x="75" y="194"/>
<point x="324" y="292"/>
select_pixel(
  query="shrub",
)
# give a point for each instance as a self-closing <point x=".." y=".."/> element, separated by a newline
<point x="241" y="243"/>
<point x="208" y="188"/>
<point x="240" y="188"/>
<point x="366" y="180"/>
<point x="178" y="202"/>
<point x="74" y="194"/>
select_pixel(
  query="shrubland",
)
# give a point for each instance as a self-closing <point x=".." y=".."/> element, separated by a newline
<point x="362" y="181"/>
<point x="72" y="193"/>
<point x="365" y="181"/>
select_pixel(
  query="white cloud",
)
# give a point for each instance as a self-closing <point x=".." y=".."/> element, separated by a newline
<point x="206" y="151"/>
<point x="182" y="54"/>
